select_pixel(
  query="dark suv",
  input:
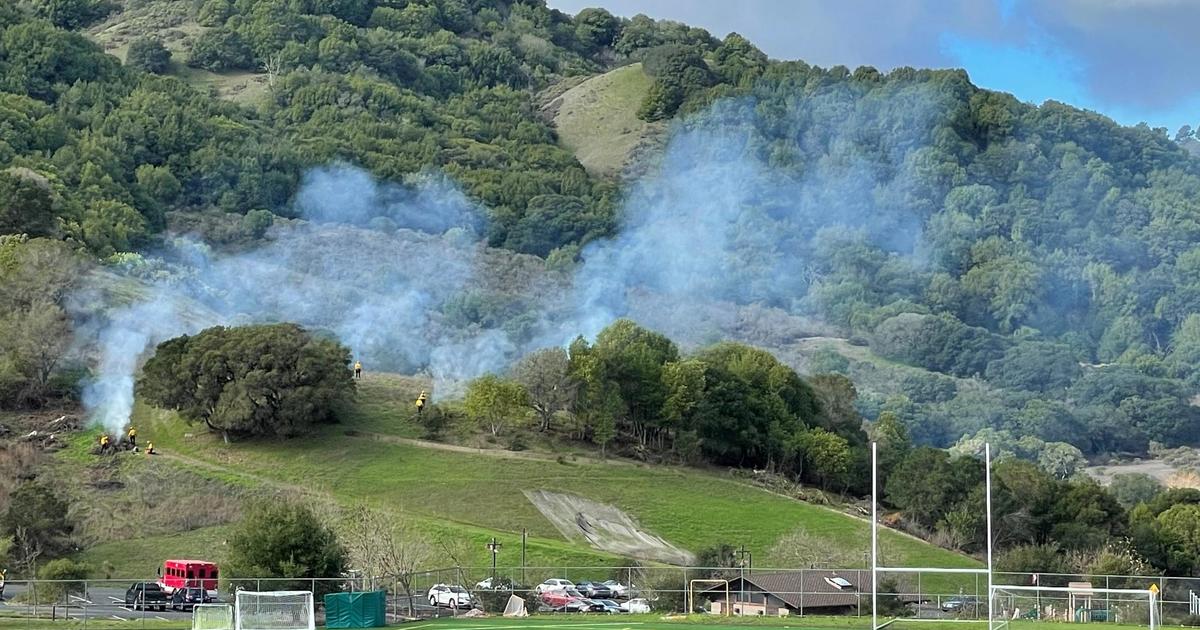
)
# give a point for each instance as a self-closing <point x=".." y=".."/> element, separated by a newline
<point x="185" y="598"/>
<point x="146" y="595"/>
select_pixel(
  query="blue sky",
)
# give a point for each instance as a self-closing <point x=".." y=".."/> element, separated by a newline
<point x="1133" y="60"/>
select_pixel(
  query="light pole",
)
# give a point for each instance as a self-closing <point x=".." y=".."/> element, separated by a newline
<point x="742" y="554"/>
<point x="494" y="547"/>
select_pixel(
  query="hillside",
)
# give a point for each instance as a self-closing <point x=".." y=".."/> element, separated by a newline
<point x="471" y="495"/>
<point x="597" y="119"/>
<point x="727" y="261"/>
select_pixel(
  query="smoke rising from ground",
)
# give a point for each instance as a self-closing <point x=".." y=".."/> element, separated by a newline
<point x="399" y="274"/>
<point x="372" y="265"/>
<point x="717" y="221"/>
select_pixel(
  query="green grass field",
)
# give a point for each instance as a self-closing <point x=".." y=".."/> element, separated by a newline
<point x="656" y="622"/>
<point x="97" y="624"/>
<point x="581" y="622"/>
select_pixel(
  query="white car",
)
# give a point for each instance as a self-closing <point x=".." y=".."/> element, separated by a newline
<point x="450" y="596"/>
<point x="619" y="590"/>
<point x="637" y="606"/>
<point x="553" y="584"/>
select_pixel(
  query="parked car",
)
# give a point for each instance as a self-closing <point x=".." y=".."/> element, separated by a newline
<point x="619" y="590"/>
<point x="611" y="606"/>
<point x="638" y="605"/>
<point x="557" y="599"/>
<point x="186" y="598"/>
<point x="146" y="595"/>
<point x="584" y="605"/>
<point x="959" y="603"/>
<point x="499" y="583"/>
<point x="594" y="590"/>
<point x="450" y="596"/>
<point x="553" y="584"/>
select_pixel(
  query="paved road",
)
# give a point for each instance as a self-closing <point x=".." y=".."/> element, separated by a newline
<point x="98" y="603"/>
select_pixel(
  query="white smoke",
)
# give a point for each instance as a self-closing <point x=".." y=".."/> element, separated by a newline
<point x="396" y="271"/>
<point x="375" y="280"/>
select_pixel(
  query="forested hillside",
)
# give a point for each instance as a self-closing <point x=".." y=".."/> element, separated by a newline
<point x="1045" y="250"/>
<point x="1024" y="274"/>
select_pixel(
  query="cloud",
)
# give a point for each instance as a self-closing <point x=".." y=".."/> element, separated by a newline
<point x="1134" y="52"/>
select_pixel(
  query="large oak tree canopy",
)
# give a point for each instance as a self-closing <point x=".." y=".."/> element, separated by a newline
<point x="276" y="379"/>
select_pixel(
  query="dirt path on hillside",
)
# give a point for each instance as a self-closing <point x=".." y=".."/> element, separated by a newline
<point x="492" y="452"/>
<point x="220" y="468"/>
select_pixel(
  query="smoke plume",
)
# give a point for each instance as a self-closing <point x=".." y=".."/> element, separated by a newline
<point x="724" y="221"/>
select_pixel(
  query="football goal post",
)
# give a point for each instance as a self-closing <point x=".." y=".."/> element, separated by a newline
<point x="877" y="571"/>
<point x="726" y="606"/>
<point x="1078" y="603"/>
<point x="274" y="610"/>
<point x="212" y="617"/>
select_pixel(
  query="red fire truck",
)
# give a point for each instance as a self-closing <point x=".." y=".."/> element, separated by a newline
<point x="185" y="573"/>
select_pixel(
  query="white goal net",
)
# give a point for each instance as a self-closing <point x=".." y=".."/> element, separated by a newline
<point x="274" y="610"/>
<point x="1077" y="603"/>
<point x="212" y="617"/>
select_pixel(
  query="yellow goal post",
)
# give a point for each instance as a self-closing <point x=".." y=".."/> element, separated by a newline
<point x="691" y="595"/>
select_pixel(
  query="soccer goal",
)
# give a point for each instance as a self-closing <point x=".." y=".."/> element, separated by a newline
<point x="1079" y="602"/>
<point x="212" y="617"/>
<point x="274" y="610"/>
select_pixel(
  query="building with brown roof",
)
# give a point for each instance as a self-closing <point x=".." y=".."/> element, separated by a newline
<point x="801" y="592"/>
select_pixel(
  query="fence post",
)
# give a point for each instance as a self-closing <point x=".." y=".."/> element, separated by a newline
<point x="802" y="593"/>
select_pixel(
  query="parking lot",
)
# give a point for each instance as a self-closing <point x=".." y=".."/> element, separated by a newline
<point x="100" y="602"/>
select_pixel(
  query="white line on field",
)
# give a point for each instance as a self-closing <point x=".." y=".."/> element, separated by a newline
<point x="549" y="625"/>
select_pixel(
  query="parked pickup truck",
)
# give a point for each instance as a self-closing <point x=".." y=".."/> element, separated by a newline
<point x="146" y="595"/>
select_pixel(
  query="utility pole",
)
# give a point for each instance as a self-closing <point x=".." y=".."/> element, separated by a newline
<point x="494" y="547"/>
<point x="742" y="553"/>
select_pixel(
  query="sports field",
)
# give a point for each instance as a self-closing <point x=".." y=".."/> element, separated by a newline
<point x="658" y="622"/>
<point x="582" y="622"/>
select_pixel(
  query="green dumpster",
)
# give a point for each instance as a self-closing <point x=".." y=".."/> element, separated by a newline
<point x="356" y="610"/>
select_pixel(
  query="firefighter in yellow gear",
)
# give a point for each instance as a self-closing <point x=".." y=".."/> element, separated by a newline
<point x="104" y="442"/>
<point x="421" y="401"/>
<point x="149" y="448"/>
<point x="358" y="369"/>
<point x="132" y="435"/>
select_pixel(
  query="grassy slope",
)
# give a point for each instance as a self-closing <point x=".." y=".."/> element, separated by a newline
<point x="129" y="558"/>
<point x="597" y="119"/>
<point x="472" y="495"/>
<point x="171" y="21"/>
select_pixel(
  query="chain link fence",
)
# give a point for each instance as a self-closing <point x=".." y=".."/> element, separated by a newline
<point x="751" y="590"/>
